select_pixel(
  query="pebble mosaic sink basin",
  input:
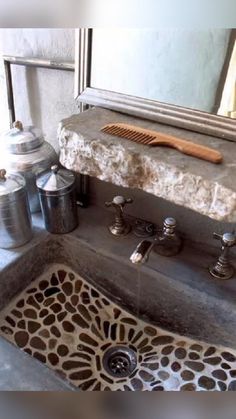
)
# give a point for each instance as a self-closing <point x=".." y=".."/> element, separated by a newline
<point x="67" y="324"/>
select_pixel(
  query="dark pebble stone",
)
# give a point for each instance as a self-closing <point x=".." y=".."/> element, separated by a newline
<point x="84" y="312"/>
<point x="50" y="319"/>
<point x="78" y="286"/>
<point x="39" y="297"/>
<point x="233" y="373"/>
<point x="94" y="293"/>
<point x="167" y="350"/>
<point x="175" y="366"/>
<point x="43" y="285"/>
<point x="61" y="275"/>
<point x="87" y="384"/>
<point x="33" y="326"/>
<point x="38" y="343"/>
<point x="52" y="344"/>
<point x="150" y="331"/>
<point x="153" y="367"/>
<point x="67" y="288"/>
<point x="61" y="316"/>
<point x="146" y="376"/>
<point x="44" y="312"/>
<point x="51" y="291"/>
<point x="228" y="356"/>
<point x="21" y="338"/>
<point x="232" y="386"/>
<point x="222" y="386"/>
<point x="48" y="301"/>
<point x="53" y="359"/>
<point x="74" y="300"/>
<point x="220" y="375"/>
<point x="70" y="308"/>
<point x="194" y="356"/>
<point x="162" y="340"/>
<point x="30" y="313"/>
<point x="71" y="365"/>
<point x="79" y="321"/>
<point x="212" y="361"/>
<point x="62" y="350"/>
<point x="54" y="280"/>
<point x="21" y="324"/>
<point x="180" y="353"/>
<point x="31" y="301"/>
<point x="44" y="333"/>
<point x="195" y="366"/>
<point x="81" y="375"/>
<point x="17" y="313"/>
<point x="158" y="388"/>
<point x="188" y="387"/>
<point x="206" y="382"/>
<point x="56" y="308"/>
<point x="137" y="384"/>
<point x="88" y="340"/>
<point x="7" y="330"/>
<point x="86" y="299"/>
<point x="61" y="298"/>
<point x="55" y="331"/>
<point x="20" y="303"/>
<point x="225" y="366"/>
<point x="210" y="351"/>
<point x="68" y="327"/>
<point x="187" y="375"/>
<point x="71" y="276"/>
<point x="165" y="361"/>
<point x="40" y="357"/>
<point x="10" y="321"/>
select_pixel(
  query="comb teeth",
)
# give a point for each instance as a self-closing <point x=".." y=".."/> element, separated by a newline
<point x="129" y="134"/>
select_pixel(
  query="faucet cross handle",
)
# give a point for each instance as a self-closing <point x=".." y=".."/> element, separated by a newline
<point x="223" y="268"/>
<point x="120" y="226"/>
<point x="119" y="201"/>
<point x="227" y="239"/>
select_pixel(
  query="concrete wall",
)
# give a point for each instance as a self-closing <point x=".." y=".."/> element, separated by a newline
<point x="42" y="97"/>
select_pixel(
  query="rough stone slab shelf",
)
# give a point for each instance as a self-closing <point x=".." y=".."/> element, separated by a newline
<point x="201" y="186"/>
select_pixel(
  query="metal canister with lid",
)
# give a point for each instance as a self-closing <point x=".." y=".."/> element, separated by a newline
<point x="23" y="150"/>
<point x="15" y="217"/>
<point x="57" y="194"/>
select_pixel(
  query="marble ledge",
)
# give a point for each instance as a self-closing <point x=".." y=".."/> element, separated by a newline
<point x="204" y="187"/>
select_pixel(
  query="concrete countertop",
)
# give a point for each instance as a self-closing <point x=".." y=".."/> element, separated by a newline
<point x="18" y="370"/>
<point x="187" y="271"/>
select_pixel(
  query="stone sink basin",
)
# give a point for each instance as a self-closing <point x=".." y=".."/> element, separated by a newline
<point x="77" y="305"/>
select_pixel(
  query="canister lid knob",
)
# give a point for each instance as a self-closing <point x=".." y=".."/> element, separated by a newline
<point x="55" y="168"/>
<point x="18" y="125"/>
<point x="3" y="174"/>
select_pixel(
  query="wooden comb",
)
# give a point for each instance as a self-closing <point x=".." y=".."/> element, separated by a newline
<point x="153" y="138"/>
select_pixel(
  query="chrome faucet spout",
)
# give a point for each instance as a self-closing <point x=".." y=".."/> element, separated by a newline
<point x="142" y="251"/>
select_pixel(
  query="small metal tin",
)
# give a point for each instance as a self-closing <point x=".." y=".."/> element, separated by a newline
<point x="57" y="193"/>
<point x="15" y="217"/>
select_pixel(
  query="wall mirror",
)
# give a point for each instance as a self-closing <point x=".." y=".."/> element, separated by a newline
<point x="184" y="78"/>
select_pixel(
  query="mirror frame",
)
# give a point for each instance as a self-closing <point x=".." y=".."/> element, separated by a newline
<point x="178" y="116"/>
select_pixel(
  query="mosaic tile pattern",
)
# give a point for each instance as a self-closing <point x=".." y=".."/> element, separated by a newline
<point x="65" y="323"/>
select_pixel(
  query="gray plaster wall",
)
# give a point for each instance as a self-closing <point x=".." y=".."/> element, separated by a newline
<point x="42" y="97"/>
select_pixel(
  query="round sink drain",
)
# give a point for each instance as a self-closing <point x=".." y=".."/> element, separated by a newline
<point x="119" y="361"/>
